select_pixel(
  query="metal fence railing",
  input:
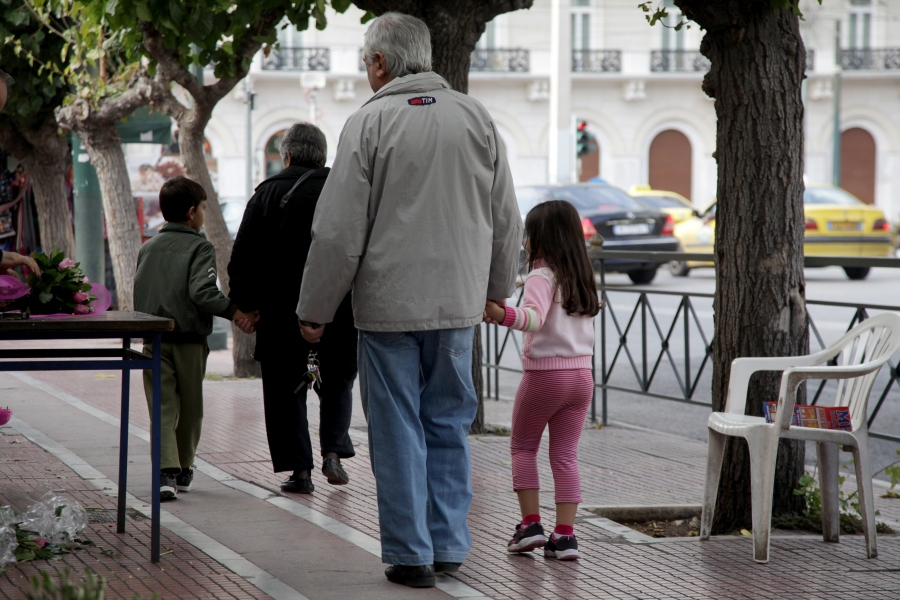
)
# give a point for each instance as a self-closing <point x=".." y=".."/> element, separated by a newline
<point x="637" y="339"/>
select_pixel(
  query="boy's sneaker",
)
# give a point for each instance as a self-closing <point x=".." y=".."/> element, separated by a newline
<point x="167" y="487"/>
<point x="527" y="539"/>
<point x="184" y="480"/>
<point x="562" y="547"/>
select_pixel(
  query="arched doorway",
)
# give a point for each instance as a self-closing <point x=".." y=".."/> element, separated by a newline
<point x="670" y="163"/>
<point x="858" y="164"/>
<point x="273" y="154"/>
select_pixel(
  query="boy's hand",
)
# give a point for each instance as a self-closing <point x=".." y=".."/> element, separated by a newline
<point x="494" y="312"/>
<point x="312" y="334"/>
<point x="246" y="322"/>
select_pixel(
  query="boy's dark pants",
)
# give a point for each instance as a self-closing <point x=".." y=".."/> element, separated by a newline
<point x="181" y="401"/>
<point x="286" y="424"/>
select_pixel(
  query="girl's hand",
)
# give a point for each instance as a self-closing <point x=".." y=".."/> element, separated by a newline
<point x="494" y="313"/>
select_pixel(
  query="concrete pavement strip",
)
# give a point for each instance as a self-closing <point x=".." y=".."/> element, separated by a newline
<point x="252" y="573"/>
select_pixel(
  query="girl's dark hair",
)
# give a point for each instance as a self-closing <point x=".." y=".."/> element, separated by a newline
<point x="554" y="231"/>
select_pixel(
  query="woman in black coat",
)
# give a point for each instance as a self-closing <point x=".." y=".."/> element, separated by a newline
<point x="277" y="227"/>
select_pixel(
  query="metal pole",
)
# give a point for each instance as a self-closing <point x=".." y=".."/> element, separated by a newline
<point x="88" y="215"/>
<point x="123" y="438"/>
<point x="561" y="138"/>
<point x="603" y="339"/>
<point x="836" y="149"/>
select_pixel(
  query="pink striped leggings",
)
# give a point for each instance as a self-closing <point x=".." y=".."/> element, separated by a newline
<point x="560" y="399"/>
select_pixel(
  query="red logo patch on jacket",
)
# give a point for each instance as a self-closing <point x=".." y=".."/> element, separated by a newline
<point x="421" y="101"/>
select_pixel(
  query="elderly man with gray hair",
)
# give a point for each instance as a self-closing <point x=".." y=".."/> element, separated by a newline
<point x="420" y="218"/>
<point x="267" y="259"/>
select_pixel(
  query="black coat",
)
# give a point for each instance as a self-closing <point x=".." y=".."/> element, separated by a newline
<point x="266" y="268"/>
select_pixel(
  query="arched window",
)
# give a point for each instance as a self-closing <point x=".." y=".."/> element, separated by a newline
<point x="273" y="154"/>
<point x="670" y="163"/>
<point x="858" y="164"/>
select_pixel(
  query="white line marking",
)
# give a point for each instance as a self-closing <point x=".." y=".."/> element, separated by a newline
<point x="448" y="585"/>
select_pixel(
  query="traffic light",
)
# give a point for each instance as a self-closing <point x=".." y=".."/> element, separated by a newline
<point x="585" y="143"/>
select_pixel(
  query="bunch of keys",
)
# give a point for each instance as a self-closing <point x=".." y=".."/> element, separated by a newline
<point x="313" y="375"/>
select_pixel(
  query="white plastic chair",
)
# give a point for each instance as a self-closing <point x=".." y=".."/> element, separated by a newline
<point x="862" y="352"/>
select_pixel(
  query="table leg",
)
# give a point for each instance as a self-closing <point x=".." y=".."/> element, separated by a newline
<point x="123" y="439"/>
<point x="155" y="448"/>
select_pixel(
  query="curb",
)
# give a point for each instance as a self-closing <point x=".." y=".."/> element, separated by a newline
<point x="646" y="513"/>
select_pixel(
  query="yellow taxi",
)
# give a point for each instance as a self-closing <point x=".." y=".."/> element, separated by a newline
<point x="671" y="203"/>
<point x="837" y="224"/>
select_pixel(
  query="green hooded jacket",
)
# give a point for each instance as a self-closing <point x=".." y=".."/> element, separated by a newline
<point x="176" y="278"/>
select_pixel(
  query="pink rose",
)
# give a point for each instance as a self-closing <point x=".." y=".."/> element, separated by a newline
<point x="85" y="280"/>
<point x="66" y="263"/>
<point x="79" y="297"/>
<point x="81" y="309"/>
<point x="5" y="415"/>
<point x="41" y="542"/>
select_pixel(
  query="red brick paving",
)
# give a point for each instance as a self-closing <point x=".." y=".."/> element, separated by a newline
<point x="618" y="466"/>
<point x="28" y="472"/>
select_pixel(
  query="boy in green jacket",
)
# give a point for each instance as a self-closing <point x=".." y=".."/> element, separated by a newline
<point x="176" y="278"/>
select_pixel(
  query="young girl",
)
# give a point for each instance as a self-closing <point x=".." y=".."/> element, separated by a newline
<point x="560" y="299"/>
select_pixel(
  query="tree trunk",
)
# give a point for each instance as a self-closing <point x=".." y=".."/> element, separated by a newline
<point x="758" y="64"/>
<point x="478" y="382"/>
<point x="191" y="127"/>
<point x="42" y="150"/>
<point x="120" y="211"/>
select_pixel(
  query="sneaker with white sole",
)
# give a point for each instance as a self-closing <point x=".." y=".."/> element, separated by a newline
<point x="167" y="487"/>
<point x="562" y="547"/>
<point x="184" y="480"/>
<point x="527" y="539"/>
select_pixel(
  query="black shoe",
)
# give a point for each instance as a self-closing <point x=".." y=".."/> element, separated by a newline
<point x="332" y="469"/>
<point x="298" y="485"/>
<point x="563" y="547"/>
<point x="184" y="480"/>
<point x="526" y="540"/>
<point x="419" y="576"/>
<point x="167" y="487"/>
<point x="446" y="567"/>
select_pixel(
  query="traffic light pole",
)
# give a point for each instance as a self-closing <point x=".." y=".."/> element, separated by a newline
<point x="562" y="143"/>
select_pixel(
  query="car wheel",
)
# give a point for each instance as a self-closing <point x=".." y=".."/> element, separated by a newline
<point x="856" y="272"/>
<point x="679" y="268"/>
<point x="642" y="276"/>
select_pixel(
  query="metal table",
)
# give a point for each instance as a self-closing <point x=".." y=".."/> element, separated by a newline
<point x="108" y="325"/>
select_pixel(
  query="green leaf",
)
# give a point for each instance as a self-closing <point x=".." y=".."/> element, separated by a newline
<point x="111" y="6"/>
<point x="176" y="11"/>
<point x="341" y="5"/>
<point x="143" y="12"/>
<point x="45" y="297"/>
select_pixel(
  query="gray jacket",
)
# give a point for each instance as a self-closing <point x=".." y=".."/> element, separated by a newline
<point x="419" y="214"/>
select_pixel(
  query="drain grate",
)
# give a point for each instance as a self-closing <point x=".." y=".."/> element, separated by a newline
<point x="108" y="515"/>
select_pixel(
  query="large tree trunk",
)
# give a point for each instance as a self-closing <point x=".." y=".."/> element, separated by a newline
<point x="105" y="149"/>
<point x="191" y="127"/>
<point x="758" y="64"/>
<point x="95" y="126"/>
<point x="43" y="152"/>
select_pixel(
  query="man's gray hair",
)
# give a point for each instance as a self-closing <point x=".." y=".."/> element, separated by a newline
<point x="305" y="143"/>
<point x="403" y="40"/>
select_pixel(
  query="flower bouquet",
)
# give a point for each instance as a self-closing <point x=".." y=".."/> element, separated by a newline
<point x="60" y="289"/>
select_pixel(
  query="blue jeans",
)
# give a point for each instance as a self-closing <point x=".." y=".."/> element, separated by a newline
<point x="419" y="402"/>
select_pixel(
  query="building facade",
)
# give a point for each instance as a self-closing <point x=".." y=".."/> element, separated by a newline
<point x="637" y="88"/>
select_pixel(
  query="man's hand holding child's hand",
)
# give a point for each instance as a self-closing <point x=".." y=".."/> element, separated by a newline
<point x="246" y="321"/>
<point x="494" y="312"/>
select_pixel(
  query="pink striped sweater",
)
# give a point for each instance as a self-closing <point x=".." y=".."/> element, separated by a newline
<point x="553" y="339"/>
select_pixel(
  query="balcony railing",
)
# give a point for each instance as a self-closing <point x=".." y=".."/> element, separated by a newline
<point x="596" y="61"/>
<point x="298" y="59"/>
<point x="500" y="60"/>
<point x="881" y="59"/>
<point x="678" y="60"/>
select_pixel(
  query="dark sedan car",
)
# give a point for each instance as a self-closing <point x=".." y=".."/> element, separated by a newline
<point x="620" y="219"/>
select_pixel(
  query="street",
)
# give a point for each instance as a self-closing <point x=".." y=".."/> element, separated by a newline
<point x="825" y="284"/>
